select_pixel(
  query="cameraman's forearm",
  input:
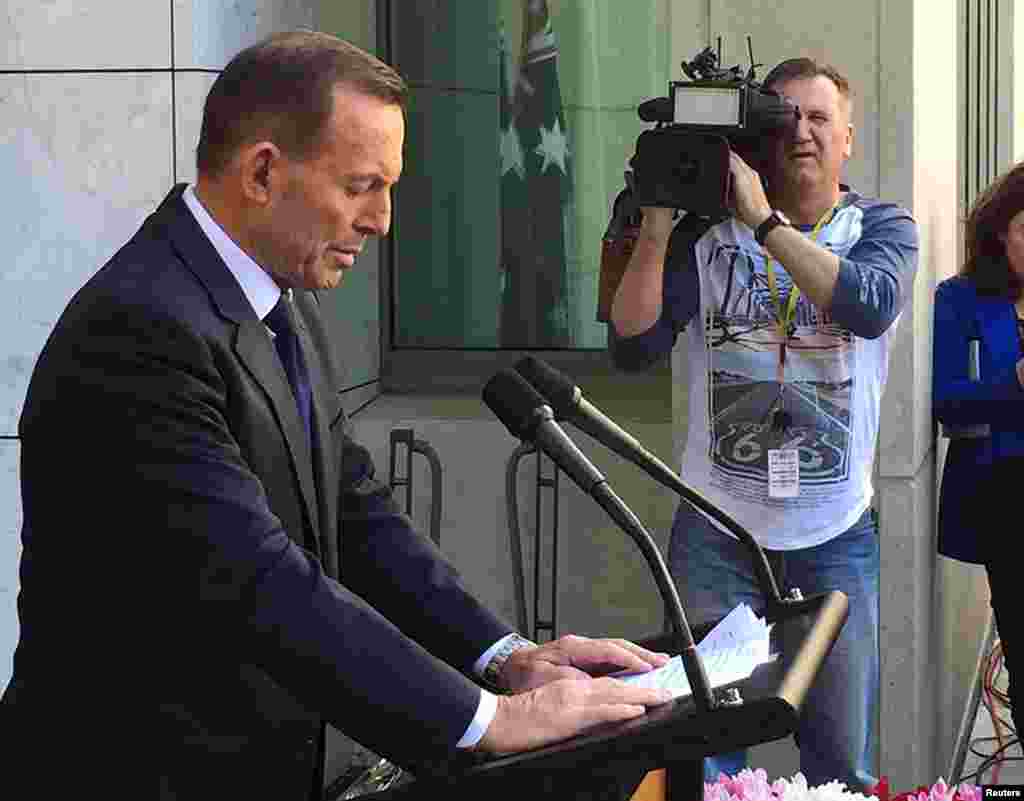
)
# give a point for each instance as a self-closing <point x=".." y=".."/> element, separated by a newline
<point x="637" y="303"/>
<point x="813" y="269"/>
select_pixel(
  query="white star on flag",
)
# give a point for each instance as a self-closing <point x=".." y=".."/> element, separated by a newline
<point x="512" y="153"/>
<point x="553" y="147"/>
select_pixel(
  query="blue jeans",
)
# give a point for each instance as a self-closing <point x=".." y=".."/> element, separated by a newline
<point x="714" y="573"/>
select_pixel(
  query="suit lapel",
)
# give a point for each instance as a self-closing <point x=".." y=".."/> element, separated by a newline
<point x="252" y="345"/>
<point x="255" y="350"/>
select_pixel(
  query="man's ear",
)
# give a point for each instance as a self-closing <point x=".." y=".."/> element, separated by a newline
<point x="848" y="146"/>
<point x="259" y="165"/>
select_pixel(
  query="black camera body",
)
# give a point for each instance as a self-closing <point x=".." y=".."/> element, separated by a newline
<point x="683" y="162"/>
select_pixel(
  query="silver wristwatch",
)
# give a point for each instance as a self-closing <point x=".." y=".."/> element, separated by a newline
<point x="514" y="643"/>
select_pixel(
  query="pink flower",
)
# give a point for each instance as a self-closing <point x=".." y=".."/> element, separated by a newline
<point x="747" y="785"/>
<point x="968" y="792"/>
<point x="939" y="791"/>
<point x="752" y="785"/>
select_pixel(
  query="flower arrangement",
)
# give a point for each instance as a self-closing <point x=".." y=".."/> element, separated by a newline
<point x="753" y="785"/>
<point x="939" y="791"/>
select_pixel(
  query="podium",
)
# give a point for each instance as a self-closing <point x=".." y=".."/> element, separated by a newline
<point x="610" y="762"/>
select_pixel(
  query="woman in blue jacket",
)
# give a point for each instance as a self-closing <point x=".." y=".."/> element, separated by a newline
<point x="978" y="396"/>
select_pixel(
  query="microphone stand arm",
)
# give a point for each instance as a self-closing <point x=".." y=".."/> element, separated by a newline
<point x="669" y="479"/>
<point x="628" y="522"/>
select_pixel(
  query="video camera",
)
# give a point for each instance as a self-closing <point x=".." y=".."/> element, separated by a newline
<point x="683" y="162"/>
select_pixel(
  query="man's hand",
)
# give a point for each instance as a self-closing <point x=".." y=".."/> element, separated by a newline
<point x="814" y="269"/>
<point x="573" y="657"/>
<point x="562" y="709"/>
<point x="748" y="199"/>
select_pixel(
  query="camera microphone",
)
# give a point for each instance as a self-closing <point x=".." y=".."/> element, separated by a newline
<point x="657" y="109"/>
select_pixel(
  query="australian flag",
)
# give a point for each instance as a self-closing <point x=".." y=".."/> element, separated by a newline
<point x="535" y="193"/>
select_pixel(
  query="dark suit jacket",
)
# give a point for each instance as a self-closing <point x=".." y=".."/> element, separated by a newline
<point x="188" y="564"/>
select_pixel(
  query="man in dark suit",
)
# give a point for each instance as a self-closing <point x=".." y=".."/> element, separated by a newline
<point x="203" y="541"/>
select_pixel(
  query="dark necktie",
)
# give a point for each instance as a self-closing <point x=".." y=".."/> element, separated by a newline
<point x="281" y="321"/>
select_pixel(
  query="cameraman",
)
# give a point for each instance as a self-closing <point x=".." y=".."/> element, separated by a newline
<point x="786" y="311"/>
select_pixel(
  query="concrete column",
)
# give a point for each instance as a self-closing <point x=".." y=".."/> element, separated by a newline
<point x="918" y="168"/>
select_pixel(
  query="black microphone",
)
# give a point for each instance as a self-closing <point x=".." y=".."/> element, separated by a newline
<point x="657" y="109"/>
<point x="568" y="403"/>
<point x="526" y="415"/>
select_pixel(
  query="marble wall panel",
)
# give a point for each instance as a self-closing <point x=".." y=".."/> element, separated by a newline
<point x="85" y="34"/>
<point x="190" y="90"/>
<point x="208" y="34"/>
<point x="86" y="158"/>
<point x="10" y="553"/>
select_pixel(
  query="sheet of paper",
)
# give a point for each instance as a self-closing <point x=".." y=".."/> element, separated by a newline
<point x="730" y="652"/>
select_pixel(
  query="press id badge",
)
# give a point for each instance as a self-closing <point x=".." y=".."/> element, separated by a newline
<point x="783" y="473"/>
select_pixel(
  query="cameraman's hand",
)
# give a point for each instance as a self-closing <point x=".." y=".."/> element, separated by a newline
<point x="562" y="709"/>
<point x="748" y="199"/>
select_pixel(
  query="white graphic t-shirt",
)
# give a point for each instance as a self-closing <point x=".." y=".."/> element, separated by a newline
<point x="783" y="419"/>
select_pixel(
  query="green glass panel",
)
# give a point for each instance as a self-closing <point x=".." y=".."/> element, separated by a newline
<point x="521" y="121"/>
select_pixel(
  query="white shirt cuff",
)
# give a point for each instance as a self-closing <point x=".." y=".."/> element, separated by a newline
<point x="488" y="706"/>
<point x="485" y="712"/>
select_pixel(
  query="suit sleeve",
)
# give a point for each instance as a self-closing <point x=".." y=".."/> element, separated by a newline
<point x="403" y="574"/>
<point x="156" y="406"/>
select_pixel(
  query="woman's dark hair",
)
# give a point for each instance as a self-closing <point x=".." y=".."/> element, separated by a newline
<point x="282" y="90"/>
<point x="985" y="263"/>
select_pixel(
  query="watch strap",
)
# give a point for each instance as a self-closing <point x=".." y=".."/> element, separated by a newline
<point x="774" y="221"/>
<point x="513" y="643"/>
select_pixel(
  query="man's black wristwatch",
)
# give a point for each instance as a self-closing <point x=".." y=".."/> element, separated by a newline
<point x="775" y="219"/>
